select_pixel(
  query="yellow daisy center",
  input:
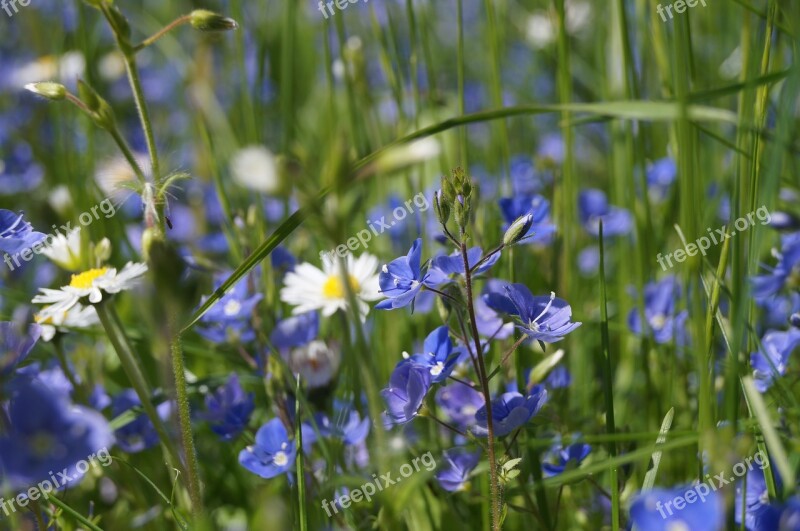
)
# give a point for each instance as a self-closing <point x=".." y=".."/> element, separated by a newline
<point x="334" y="289"/>
<point x="84" y="280"/>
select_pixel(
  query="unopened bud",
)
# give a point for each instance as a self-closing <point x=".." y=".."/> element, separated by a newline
<point x="518" y="229"/>
<point x="204" y="20"/>
<point x="48" y="89"/>
<point x="102" y="251"/>
<point x="795" y="319"/>
<point x="441" y="207"/>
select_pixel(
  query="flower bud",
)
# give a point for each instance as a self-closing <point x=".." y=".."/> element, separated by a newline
<point x="518" y="229"/>
<point x="795" y="319"/>
<point x="47" y="89"/>
<point x="441" y="207"/>
<point x="204" y="20"/>
<point x="88" y="96"/>
<point x="102" y="251"/>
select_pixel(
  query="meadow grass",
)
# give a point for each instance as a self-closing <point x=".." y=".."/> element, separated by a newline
<point x="345" y="104"/>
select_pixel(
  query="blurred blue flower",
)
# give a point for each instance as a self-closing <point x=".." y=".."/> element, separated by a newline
<point x="408" y="386"/>
<point x="510" y="411"/>
<point x="139" y="434"/>
<point x="460" y="402"/>
<point x="51" y="376"/>
<point x="542" y="318"/>
<point x="443" y="266"/>
<point x="16" y="345"/>
<point x="229" y="319"/>
<point x="524" y="179"/>
<point x="347" y="425"/>
<point x="228" y="410"/>
<point x="401" y="280"/>
<point x="19" y="173"/>
<point x="661" y="176"/>
<point x="771" y="360"/>
<point x="543" y="229"/>
<point x="295" y="331"/>
<point x="559" y="458"/>
<point x="659" y="312"/>
<point x="273" y="452"/>
<point x="650" y="511"/>
<point x="47" y="433"/>
<point x="558" y="378"/>
<point x="787" y="268"/>
<point x="457" y="465"/>
<point x="490" y="323"/>
<point x="16" y="234"/>
<point x="593" y="206"/>
<point x="759" y="513"/>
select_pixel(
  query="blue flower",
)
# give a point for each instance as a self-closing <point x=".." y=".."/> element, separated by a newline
<point x="15" y="346"/>
<point x="19" y="173"/>
<point x="787" y="268"/>
<point x="460" y="402"/>
<point x="661" y="176"/>
<point x="295" y="331"/>
<point x="348" y="426"/>
<point x="542" y="318"/>
<point x="593" y="206"/>
<point x="537" y="206"/>
<point x="489" y="322"/>
<point x="759" y="514"/>
<point x="773" y="357"/>
<point x="454" y="472"/>
<point x="510" y="411"/>
<point x="655" y="511"/>
<point x="16" y="234"/>
<point x="229" y="409"/>
<point x="558" y="378"/>
<point x="47" y="433"/>
<point x="659" y="312"/>
<point x="272" y="454"/>
<point x="560" y="458"/>
<point x="401" y="280"/>
<point x="438" y="356"/>
<point x="229" y="318"/>
<point x="139" y="434"/>
<point x="443" y="266"/>
<point x="408" y="386"/>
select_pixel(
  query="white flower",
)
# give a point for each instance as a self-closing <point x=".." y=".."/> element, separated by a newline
<point x="76" y="317"/>
<point x="254" y="167"/>
<point x="316" y="363"/>
<point x="116" y="178"/>
<point x="65" y="251"/>
<point x="92" y="284"/>
<point x="309" y="288"/>
<point x="67" y="69"/>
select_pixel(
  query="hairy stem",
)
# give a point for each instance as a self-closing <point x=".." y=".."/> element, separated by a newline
<point x="494" y="481"/>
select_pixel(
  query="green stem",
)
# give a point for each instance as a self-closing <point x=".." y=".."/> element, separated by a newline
<point x="110" y="322"/>
<point x="163" y="31"/>
<point x="487" y="396"/>
<point x="185" y="419"/>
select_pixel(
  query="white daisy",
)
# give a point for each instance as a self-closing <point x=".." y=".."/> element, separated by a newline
<point x="308" y="288"/>
<point x="91" y="284"/>
<point x="65" y="251"/>
<point x="255" y="168"/>
<point x="76" y="317"/>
